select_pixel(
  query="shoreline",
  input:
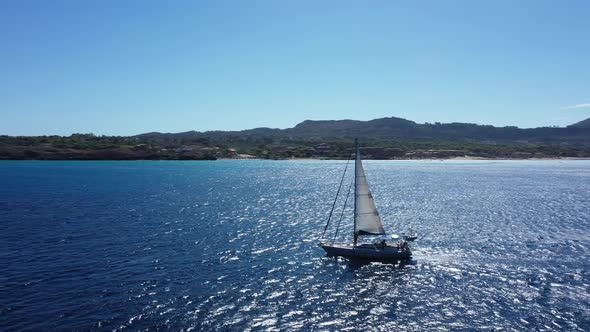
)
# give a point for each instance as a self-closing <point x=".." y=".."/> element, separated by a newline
<point x="318" y="159"/>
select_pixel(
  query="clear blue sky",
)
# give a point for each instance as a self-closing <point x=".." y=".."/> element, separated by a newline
<point x="128" y="67"/>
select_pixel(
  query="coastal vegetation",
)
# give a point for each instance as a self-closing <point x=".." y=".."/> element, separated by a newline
<point x="387" y="138"/>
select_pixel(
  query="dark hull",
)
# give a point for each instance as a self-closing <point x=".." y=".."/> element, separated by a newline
<point x="368" y="252"/>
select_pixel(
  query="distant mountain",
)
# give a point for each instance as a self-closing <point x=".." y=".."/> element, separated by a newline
<point x="581" y="124"/>
<point x="385" y="138"/>
<point x="155" y="134"/>
<point x="399" y="129"/>
<point x="384" y="127"/>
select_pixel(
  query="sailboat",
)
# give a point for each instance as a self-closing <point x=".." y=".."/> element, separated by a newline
<point x="366" y="222"/>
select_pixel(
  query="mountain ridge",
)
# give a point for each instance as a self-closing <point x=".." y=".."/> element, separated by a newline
<point x="383" y="138"/>
<point x="403" y="129"/>
<point x="581" y="124"/>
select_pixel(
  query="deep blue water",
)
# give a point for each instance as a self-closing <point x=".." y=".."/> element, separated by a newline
<point x="231" y="245"/>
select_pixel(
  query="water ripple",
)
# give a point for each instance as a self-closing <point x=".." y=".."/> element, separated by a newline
<point x="230" y="245"/>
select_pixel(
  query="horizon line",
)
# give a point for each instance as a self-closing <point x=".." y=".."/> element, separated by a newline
<point x="285" y="128"/>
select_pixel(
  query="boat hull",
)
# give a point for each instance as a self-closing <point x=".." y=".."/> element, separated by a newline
<point x="388" y="253"/>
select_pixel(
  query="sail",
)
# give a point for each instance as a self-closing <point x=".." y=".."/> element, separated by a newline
<point x="367" y="218"/>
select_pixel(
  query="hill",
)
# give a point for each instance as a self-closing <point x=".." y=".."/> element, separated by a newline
<point x="581" y="124"/>
<point x="385" y="138"/>
<point x="399" y="129"/>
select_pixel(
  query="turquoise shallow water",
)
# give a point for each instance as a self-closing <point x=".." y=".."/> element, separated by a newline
<point x="230" y="245"/>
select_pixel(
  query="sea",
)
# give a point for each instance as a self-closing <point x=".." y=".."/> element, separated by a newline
<point x="231" y="245"/>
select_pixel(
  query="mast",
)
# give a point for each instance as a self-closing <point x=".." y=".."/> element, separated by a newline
<point x="356" y="156"/>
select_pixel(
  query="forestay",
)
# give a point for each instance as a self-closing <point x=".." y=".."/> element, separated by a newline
<point x="368" y="221"/>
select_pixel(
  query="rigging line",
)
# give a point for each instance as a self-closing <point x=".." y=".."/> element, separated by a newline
<point x="335" y="199"/>
<point x="342" y="213"/>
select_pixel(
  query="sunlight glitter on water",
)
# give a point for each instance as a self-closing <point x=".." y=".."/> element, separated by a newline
<point x="232" y="246"/>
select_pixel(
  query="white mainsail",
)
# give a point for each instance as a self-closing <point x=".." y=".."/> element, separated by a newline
<point x="367" y="217"/>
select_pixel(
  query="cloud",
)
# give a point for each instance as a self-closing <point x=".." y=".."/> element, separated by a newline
<point x="575" y="106"/>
